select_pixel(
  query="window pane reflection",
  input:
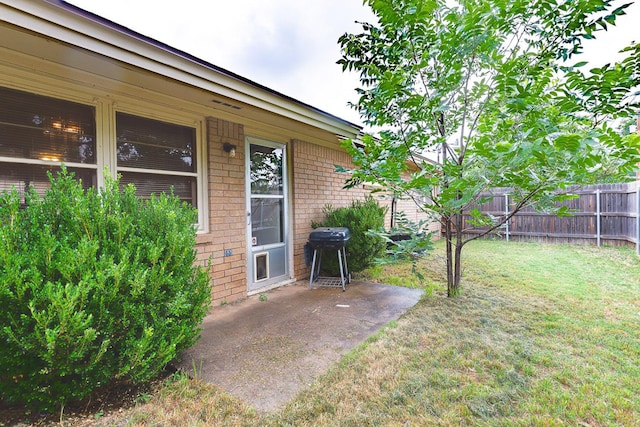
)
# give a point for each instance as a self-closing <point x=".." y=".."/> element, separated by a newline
<point x="266" y="170"/>
<point x="151" y="144"/>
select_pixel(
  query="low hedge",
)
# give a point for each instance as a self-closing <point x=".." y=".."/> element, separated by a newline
<point x="363" y="248"/>
<point x="96" y="286"/>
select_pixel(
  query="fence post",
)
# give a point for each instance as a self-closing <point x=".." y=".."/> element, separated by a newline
<point x="506" y="214"/>
<point x="598" y="217"/>
<point x="638" y="220"/>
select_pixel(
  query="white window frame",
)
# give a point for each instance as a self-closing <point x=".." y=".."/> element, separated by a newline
<point x="105" y="117"/>
<point x="200" y="152"/>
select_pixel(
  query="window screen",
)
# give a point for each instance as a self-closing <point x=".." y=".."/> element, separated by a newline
<point x="37" y="133"/>
<point x="147" y="184"/>
<point x="42" y="128"/>
<point x="156" y="156"/>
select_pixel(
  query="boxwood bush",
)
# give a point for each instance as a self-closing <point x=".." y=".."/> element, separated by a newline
<point x="363" y="248"/>
<point x="96" y="286"/>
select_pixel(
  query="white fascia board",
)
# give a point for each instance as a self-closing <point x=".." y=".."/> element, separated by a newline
<point x="56" y="22"/>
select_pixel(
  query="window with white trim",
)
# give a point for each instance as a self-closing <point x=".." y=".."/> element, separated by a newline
<point x="156" y="156"/>
<point x="38" y="133"/>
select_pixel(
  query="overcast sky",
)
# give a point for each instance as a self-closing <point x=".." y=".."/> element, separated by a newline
<point x="290" y="46"/>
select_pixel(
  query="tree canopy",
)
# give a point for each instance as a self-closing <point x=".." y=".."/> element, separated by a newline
<point x="484" y="94"/>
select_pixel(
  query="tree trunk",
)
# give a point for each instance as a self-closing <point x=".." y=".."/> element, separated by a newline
<point x="454" y="256"/>
<point x="449" y="243"/>
<point x="457" y="274"/>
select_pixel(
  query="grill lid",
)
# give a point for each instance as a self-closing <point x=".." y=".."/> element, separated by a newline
<point x="329" y="237"/>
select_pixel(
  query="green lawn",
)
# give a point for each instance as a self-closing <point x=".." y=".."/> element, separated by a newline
<point x="541" y="335"/>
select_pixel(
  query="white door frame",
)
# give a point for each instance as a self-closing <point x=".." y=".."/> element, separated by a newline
<point x="267" y="255"/>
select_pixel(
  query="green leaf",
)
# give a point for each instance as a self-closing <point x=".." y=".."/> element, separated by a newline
<point x="568" y="142"/>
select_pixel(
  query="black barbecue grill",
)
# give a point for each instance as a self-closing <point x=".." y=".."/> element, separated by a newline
<point x="329" y="238"/>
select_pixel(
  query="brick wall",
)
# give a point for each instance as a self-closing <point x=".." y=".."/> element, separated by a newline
<point x="315" y="184"/>
<point x="414" y="214"/>
<point x="227" y="212"/>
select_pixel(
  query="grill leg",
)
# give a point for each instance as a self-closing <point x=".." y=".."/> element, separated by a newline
<point x="315" y="271"/>
<point x="312" y="276"/>
<point x="341" y="269"/>
<point x="346" y="268"/>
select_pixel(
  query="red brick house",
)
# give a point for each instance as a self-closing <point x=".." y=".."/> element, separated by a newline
<point x="258" y="165"/>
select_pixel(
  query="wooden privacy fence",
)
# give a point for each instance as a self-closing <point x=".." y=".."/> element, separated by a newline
<point x="602" y="214"/>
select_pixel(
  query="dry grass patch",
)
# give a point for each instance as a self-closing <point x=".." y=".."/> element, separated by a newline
<point x="188" y="402"/>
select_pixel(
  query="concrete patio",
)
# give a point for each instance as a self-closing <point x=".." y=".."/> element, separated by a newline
<point x="266" y="351"/>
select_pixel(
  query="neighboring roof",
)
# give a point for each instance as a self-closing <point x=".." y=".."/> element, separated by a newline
<point x="70" y="24"/>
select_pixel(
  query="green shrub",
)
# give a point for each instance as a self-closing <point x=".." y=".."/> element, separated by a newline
<point x="95" y="287"/>
<point x="362" y="249"/>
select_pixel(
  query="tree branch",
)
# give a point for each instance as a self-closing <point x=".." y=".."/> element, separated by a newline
<point x="517" y="209"/>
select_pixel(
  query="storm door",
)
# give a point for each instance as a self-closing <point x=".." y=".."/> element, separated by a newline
<point x="266" y="214"/>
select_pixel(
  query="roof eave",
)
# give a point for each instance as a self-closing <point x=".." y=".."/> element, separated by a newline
<point x="67" y="23"/>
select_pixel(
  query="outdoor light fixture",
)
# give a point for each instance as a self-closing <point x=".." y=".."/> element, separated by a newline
<point x="229" y="148"/>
